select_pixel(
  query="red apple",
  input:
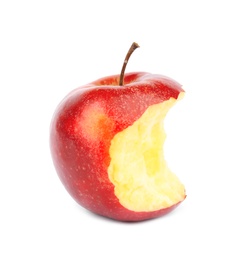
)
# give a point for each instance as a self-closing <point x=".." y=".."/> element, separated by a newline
<point x="107" y="146"/>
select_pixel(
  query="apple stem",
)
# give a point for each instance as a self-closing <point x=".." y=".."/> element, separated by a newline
<point x="122" y="73"/>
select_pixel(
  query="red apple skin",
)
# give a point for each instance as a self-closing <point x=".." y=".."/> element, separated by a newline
<point x="81" y="157"/>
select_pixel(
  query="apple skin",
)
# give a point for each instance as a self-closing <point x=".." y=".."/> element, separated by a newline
<point x="81" y="158"/>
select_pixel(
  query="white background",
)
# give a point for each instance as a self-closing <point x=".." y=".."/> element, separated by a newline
<point x="48" y="48"/>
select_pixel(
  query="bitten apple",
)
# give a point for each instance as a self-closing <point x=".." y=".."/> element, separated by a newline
<point x="107" y="142"/>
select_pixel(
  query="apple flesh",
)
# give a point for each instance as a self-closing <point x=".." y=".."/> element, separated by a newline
<point x="107" y="146"/>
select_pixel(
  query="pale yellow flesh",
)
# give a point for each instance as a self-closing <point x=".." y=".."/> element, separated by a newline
<point x="138" y="170"/>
